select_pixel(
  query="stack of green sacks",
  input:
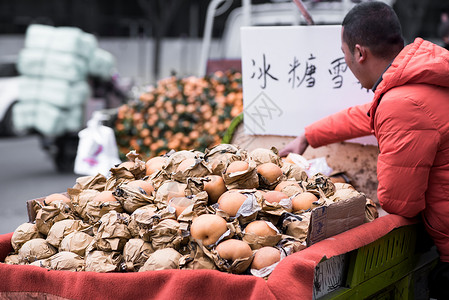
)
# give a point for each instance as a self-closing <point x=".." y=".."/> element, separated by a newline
<point x="54" y="66"/>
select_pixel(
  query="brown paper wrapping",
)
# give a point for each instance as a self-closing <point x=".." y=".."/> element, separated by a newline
<point x="66" y="261"/>
<point x="35" y="249"/>
<point x="158" y="178"/>
<point x="121" y="174"/>
<point x="24" y="233"/>
<point x="12" y="259"/>
<point x="135" y="253"/>
<point x="173" y="160"/>
<point x="256" y="242"/>
<point x="371" y="212"/>
<point x="48" y="215"/>
<point x="131" y="198"/>
<point x="247" y="179"/>
<point x="166" y="234"/>
<point x="199" y="169"/>
<point x="291" y="190"/>
<point x="142" y="220"/>
<point x="195" y="185"/>
<point x="196" y="259"/>
<point x="62" y="228"/>
<point x="344" y="194"/>
<point x="295" y="172"/>
<point x="320" y="182"/>
<point x="289" y="244"/>
<point x="102" y="262"/>
<point x="96" y="182"/>
<point x="113" y="232"/>
<point x="237" y="266"/>
<point x="297" y="226"/>
<point x="79" y="199"/>
<point x="76" y="242"/>
<point x="263" y="155"/>
<point x="197" y="208"/>
<point x="162" y="259"/>
<point x="167" y="190"/>
<point x="97" y="209"/>
<point x="219" y="157"/>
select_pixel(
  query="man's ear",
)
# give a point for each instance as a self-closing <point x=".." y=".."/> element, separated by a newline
<point x="360" y="53"/>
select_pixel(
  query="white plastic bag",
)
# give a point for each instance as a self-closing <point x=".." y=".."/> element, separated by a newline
<point x="97" y="149"/>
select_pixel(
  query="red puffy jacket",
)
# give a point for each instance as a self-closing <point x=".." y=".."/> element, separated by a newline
<point x="409" y="116"/>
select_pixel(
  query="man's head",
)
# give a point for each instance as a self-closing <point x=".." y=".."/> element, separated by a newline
<point x="371" y="37"/>
<point x="374" y="25"/>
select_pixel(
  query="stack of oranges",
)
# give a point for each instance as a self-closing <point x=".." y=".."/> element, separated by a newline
<point x="180" y="113"/>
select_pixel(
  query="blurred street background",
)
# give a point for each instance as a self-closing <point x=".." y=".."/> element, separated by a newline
<point x="27" y="172"/>
<point x="149" y="40"/>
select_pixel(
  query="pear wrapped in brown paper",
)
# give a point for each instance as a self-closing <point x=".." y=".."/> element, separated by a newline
<point x="261" y="233"/>
<point x="142" y="220"/>
<point x="191" y="167"/>
<point x="232" y="256"/>
<point x="35" y="249"/>
<point x="263" y="155"/>
<point x="12" y="259"/>
<point x="289" y="187"/>
<point x="169" y="189"/>
<point x="322" y="183"/>
<point x="243" y="205"/>
<point x="162" y="259"/>
<point x="344" y="194"/>
<point x="293" y="171"/>
<point x="196" y="258"/>
<point x="219" y="157"/>
<point x="62" y="228"/>
<point x="289" y="244"/>
<point x="187" y="210"/>
<point x="296" y="226"/>
<point x="166" y="234"/>
<point x="24" y="233"/>
<point x="66" y="261"/>
<point x="132" y="169"/>
<point x="91" y="182"/>
<point x="102" y="204"/>
<point x="270" y="174"/>
<point x="62" y="261"/>
<point x="76" y="242"/>
<point x="135" y="253"/>
<point x="132" y="196"/>
<point x="241" y="175"/>
<point x="79" y="199"/>
<point x="48" y="215"/>
<point x="174" y="159"/>
<point x="113" y="232"/>
<point x="103" y="261"/>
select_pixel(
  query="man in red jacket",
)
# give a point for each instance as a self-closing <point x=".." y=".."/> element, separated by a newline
<point x="409" y="116"/>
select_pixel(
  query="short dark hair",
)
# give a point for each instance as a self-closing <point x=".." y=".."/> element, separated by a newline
<point x="375" y="25"/>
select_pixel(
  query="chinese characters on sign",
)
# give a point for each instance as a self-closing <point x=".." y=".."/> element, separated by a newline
<point x="298" y="72"/>
<point x="293" y="76"/>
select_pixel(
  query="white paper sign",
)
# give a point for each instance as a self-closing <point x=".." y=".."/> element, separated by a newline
<point x="293" y="76"/>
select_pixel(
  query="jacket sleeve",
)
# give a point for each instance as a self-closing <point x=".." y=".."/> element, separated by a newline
<point x="408" y="142"/>
<point x="349" y="123"/>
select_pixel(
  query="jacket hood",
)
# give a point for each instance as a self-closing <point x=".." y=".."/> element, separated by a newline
<point x="419" y="62"/>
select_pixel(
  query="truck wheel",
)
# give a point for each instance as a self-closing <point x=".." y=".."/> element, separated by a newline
<point x="66" y="148"/>
<point x="7" y="125"/>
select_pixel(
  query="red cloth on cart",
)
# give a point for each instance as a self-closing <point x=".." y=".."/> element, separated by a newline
<point x="292" y="278"/>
